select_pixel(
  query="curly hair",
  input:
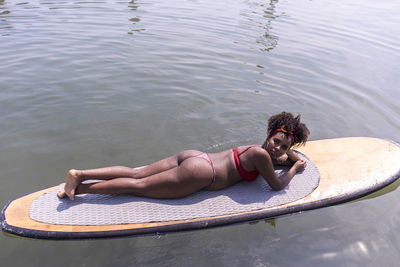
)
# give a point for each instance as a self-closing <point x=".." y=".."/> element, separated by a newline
<point x="291" y="124"/>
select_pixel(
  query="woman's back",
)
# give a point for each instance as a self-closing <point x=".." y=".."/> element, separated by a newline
<point x="225" y="167"/>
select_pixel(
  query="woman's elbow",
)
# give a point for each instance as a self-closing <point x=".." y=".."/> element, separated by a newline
<point x="276" y="187"/>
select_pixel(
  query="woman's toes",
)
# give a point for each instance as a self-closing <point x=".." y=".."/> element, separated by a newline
<point x="61" y="194"/>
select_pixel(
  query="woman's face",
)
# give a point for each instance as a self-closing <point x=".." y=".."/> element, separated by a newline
<point x="278" y="144"/>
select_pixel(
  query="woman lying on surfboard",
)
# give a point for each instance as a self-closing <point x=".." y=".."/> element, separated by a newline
<point x="192" y="170"/>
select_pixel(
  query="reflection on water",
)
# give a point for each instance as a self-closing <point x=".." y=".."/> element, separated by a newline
<point x="4" y="24"/>
<point x="392" y="187"/>
<point x="259" y="17"/>
<point x="136" y="19"/>
<point x="268" y="41"/>
<point x="92" y="83"/>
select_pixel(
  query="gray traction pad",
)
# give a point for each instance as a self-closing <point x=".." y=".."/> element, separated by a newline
<point x="102" y="209"/>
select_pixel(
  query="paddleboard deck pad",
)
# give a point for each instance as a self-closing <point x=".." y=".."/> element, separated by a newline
<point x="337" y="170"/>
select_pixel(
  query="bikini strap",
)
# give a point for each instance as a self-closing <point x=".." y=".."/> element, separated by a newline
<point x="245" y="150"/>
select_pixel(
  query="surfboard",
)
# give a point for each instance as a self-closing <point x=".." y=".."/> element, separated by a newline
<point x="348" y="168"/>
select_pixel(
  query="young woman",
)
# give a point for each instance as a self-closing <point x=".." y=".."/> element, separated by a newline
<point x="192" y="170"/>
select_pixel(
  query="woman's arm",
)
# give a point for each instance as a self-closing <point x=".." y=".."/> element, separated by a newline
<point x="292" y="156"/>
<point x="287" y="159"/>
<point x="265" y="167"/>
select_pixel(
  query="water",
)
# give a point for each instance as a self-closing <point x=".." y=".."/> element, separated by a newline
<point x="86" y="84"/>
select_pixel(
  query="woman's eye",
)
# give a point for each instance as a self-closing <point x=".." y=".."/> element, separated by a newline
<point x="276" y="141"/>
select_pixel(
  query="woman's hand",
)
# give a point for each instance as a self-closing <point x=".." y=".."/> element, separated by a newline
<point x="300" y="165"/>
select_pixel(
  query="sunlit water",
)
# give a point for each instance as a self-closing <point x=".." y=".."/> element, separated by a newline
<point x="92" y="83"/>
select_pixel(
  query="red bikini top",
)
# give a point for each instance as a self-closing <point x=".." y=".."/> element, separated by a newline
<point x="245" y="175"/>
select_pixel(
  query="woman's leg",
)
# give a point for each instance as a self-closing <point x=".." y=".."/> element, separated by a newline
<point x="190" y="176"/>
<point x="75" y="177"/>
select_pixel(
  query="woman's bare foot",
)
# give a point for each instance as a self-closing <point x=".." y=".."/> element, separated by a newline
<point x="73" y="180"/>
